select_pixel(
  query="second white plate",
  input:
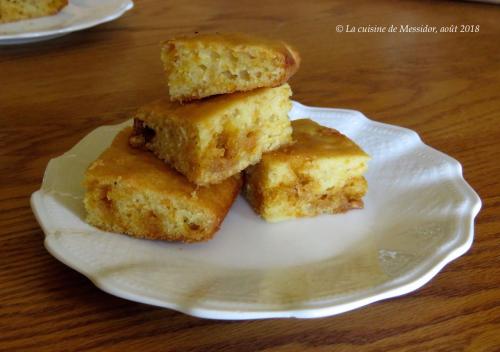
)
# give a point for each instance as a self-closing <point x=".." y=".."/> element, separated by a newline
<point x="78" y="15"/>
<point x="419" y="215"/>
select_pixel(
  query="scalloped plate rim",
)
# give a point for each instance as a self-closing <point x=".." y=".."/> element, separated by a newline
<point x="328" y="307"/>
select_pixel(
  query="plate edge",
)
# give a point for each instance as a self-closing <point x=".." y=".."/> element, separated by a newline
<point x="107" y="284"/>
<point x="61" y="31"/>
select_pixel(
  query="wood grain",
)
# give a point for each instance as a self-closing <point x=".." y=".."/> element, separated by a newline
<point x="445" y="86"/>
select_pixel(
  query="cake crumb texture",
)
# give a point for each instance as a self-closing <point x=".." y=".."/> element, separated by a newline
<point x="130" y="191"/>
<point x="321" y="172"/>
<point x="210" y="140"/>
<point x="209" y="64"/>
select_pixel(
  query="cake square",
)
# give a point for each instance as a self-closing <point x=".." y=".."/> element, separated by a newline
<point x="16" y="10"/>
<point x="322" y="172"/>
<point x="210" y="140"/>
<point x="130" y="191"/>
<point x="203" y="65"/>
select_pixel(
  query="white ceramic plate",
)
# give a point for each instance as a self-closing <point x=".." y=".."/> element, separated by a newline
<point x="418" y="216"/>
<point x="78" y="15"/>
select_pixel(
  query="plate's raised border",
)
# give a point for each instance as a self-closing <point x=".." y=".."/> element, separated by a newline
<point x="323" y="308"/>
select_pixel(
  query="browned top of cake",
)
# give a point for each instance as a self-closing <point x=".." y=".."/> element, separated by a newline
<point x="312" y="139"/>
<point x="200" y="110"/>
<point x="143" y="170"/>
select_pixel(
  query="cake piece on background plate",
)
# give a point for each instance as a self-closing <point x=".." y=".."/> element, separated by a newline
<point x="16" y="10"/>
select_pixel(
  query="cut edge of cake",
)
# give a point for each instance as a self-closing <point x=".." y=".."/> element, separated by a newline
<point x="203" y="65"/>
<point x="210" y="140"/>
<point x="308" y="178"/>
<point x="130" y="191"/>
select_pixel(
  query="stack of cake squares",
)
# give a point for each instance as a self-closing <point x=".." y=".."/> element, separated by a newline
<point x="224" y="124"/>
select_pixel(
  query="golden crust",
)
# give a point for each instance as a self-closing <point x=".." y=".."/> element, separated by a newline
<point x="16" y="10"/>
<point x="314" y="140"/>
<point x="322" y="172"/>
<point x="210" y="64"/>
<point x="131" y="191"/>
<point x="210" y="140"/>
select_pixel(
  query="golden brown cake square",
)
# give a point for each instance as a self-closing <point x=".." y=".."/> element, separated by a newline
<point x="210" y="140"/>
<point x="322" y="172"/>
<point x="16" y="10"/>
<point x="208" y="64"/>
<point x="130" y="191"/>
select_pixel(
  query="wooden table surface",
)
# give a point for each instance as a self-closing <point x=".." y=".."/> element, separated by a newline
<point x="445" y="86"/>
